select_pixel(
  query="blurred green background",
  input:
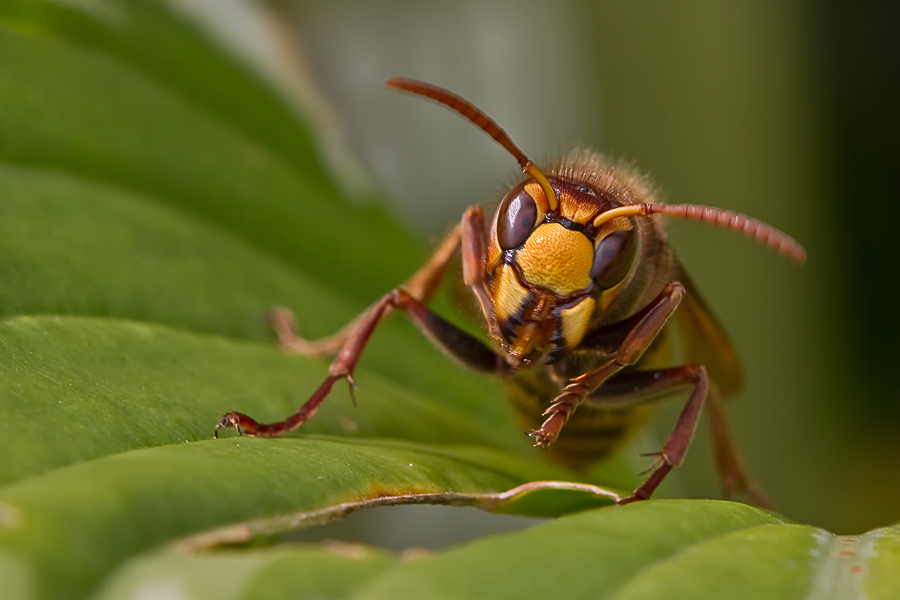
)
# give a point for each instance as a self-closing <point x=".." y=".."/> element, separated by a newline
<point x="784" y="110"/>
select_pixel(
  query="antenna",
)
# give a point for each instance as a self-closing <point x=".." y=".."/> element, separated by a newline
<point x="477" y="117"/>
<point x="754" y="228"/>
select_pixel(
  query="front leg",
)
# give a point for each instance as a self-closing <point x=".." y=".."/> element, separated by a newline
<point x="628" y="353"/>
<point x="465" y="348"/>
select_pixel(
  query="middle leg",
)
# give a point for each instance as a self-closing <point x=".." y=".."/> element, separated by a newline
<point x="636" y="388"/>
<point x="423" y="284"/>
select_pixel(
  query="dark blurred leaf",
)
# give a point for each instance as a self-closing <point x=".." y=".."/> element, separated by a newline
<point x="131" y="30"/>
<point x="68" y="108"/>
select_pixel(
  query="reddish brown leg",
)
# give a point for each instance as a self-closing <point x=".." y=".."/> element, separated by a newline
<point x="422" y="285"/>
<point x="675" y="448"/>
<point x="628" y="353"/>
<point x="467" y="349"/>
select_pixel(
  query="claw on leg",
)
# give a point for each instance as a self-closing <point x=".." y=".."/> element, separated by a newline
<point x="239" y="421"/>
<point x="352" y="385"/>
<point x="557" y="414"/>
<point x="548" y="432"/>
<point x="661" y="467"/>
<point x="660" y="460"/>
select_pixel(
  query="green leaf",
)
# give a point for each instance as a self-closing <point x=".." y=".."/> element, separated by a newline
<point x="584" y="556"/>
<point x="75" y="389"/>
<point x="132" y="502"/>
<point x="652" y="550"/>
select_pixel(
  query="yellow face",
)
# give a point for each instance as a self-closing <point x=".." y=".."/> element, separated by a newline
<point x="557" y="258"/>
<point x="548" y="269"/>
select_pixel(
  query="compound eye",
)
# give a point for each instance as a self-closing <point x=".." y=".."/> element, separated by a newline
<point x="613" y="258"/>
<point x="516" y="219"/>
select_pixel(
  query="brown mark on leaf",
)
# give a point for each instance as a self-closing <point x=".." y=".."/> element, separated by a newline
<point x="346" y="549"/>
<point x="415" y="554"/>
<point x="10" y="516"/>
